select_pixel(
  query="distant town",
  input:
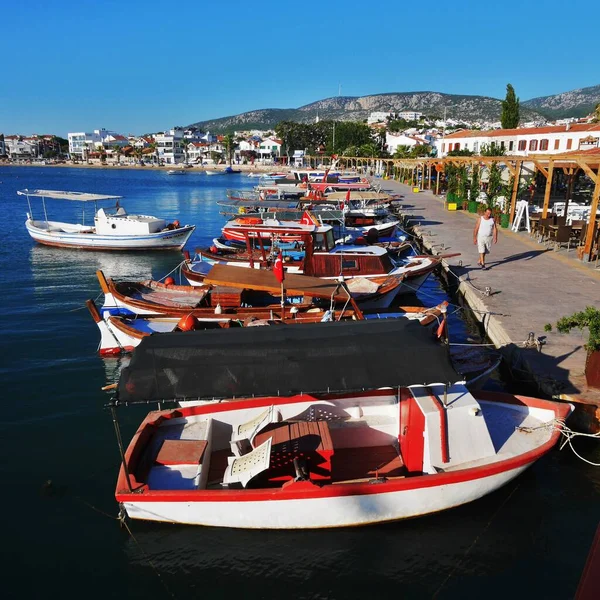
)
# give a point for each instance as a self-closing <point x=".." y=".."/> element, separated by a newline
<point x="387" y="134"/>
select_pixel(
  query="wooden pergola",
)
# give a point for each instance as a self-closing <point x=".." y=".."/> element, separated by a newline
<point x="419" y="172"/>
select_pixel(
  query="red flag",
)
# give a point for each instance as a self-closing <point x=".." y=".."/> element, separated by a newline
<point x="308" y="219"/>
<point x="278" y="268"/>
<point x="348" y="196"/>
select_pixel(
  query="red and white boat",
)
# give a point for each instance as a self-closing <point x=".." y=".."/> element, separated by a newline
<point x="255" y="227"/>
<point x="331" y="432"/>
<point x="318" y="256"/>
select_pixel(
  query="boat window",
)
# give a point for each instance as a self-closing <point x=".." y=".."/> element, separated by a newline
<point x="329" y="241"/>
<point x="349" y="264"/>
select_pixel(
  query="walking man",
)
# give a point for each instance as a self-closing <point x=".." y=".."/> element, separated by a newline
<point x="485" y="232"/>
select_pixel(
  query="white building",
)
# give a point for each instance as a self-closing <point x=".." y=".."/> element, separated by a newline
<point x="409" y="115"/>
<point x="18" y="147"/>
<point x="270" y="148"/>
<point x="170" y="145"/>
<point x="82" y="143"/>
<point x="393" y="141"/>
<point x="525" y="141"/>
<point x="379" y="117"/>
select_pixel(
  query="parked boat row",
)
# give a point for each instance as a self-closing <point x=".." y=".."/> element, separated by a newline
<point x="305" y="396"/>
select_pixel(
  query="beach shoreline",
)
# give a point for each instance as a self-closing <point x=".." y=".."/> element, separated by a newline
<point x="113" y="165"/>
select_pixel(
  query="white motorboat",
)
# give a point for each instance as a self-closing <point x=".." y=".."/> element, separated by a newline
<point x="111" y="229"/>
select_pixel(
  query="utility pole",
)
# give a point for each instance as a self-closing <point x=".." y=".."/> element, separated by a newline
<point x="444" y="129"/>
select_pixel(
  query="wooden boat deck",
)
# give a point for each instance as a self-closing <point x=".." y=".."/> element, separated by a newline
<point x="348" y="465"/>
<point x="266" y="281"/>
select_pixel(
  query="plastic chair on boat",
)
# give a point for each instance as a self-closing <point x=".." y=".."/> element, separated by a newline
<point x="242" y="469"/>
<point x="244" y="434"/>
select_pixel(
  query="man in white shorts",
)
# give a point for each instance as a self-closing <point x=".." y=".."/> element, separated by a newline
<point x="485" y="233"/>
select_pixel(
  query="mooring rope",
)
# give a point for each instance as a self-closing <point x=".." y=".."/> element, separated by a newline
<point x="568" y="435"/>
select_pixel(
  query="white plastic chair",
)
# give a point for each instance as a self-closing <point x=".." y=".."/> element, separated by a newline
<point x="242" y="469"/>
<point x="243" y="435"/>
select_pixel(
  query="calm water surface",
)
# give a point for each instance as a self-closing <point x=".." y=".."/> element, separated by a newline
<point x="529" y="539"/>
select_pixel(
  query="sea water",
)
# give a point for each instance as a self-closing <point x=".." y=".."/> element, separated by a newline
<point x="60" y="460"/>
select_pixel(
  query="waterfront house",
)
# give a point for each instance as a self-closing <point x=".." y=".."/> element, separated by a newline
<point x="20" y="148"/>
<point x="270" y="148"/>
<point x="524" y="141"/>
<point x="170" y="146"/>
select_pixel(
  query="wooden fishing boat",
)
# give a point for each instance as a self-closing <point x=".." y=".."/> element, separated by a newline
<point x="226" y="290"/>
<point x="310" y="442"/>
<point x="318" y="256"/>
<point x="361" y="267"/>
<point x="121" y="334"/>
<point x="111" y="230"/>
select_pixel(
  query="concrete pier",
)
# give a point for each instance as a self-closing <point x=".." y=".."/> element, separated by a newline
<point x="526" y="286"/>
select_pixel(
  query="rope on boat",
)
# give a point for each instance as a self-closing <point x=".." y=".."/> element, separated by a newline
<point x="96" y="299"/>
<point x="173" y="271"/>
<point x="568" y="435"/>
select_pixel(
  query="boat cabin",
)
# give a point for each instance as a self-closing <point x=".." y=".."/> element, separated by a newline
<point x="121" y="223"/>
<point x="349" y="261"/>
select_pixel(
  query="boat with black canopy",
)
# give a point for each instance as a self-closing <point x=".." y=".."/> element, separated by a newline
<point x="316" y="427"/>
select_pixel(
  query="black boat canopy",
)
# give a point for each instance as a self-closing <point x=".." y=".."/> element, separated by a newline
<point x="284" y="360"/>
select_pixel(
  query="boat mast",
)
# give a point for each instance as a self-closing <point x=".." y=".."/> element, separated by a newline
<point x="44" y="205"/>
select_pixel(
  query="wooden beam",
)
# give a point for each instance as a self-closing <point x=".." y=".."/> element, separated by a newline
<point x="548" y="189"/>
<point x="593" y="176"/>
<point x="589" y="236"/>
<point x="541" y="169"/>
<point x="515" y="190"/>
<point x="513" y="170"/>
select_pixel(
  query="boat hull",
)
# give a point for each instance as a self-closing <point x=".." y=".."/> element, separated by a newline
<point x="165" y="240"/>
<point x="366" y="501"/>
<point x="345" y="510"/>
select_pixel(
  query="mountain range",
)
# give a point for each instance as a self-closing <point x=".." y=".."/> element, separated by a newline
<point x="576" y="103"/>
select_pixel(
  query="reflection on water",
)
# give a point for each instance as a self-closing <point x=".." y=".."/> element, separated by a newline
<point x="66" y="264"/>
<point x="113" y="367"/>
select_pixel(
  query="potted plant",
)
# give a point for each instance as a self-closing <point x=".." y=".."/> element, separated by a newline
<point x="452" y="183"/>
<point x="590" y="318"/>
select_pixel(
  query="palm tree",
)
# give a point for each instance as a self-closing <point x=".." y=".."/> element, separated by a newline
<point x="118" y="151"/>
<point x="229" y="143"/>
<point x="154" y="147"/>
<point x="137" y="153"/>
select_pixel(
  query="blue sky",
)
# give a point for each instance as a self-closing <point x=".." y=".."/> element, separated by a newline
<point x="142" y="66"/>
